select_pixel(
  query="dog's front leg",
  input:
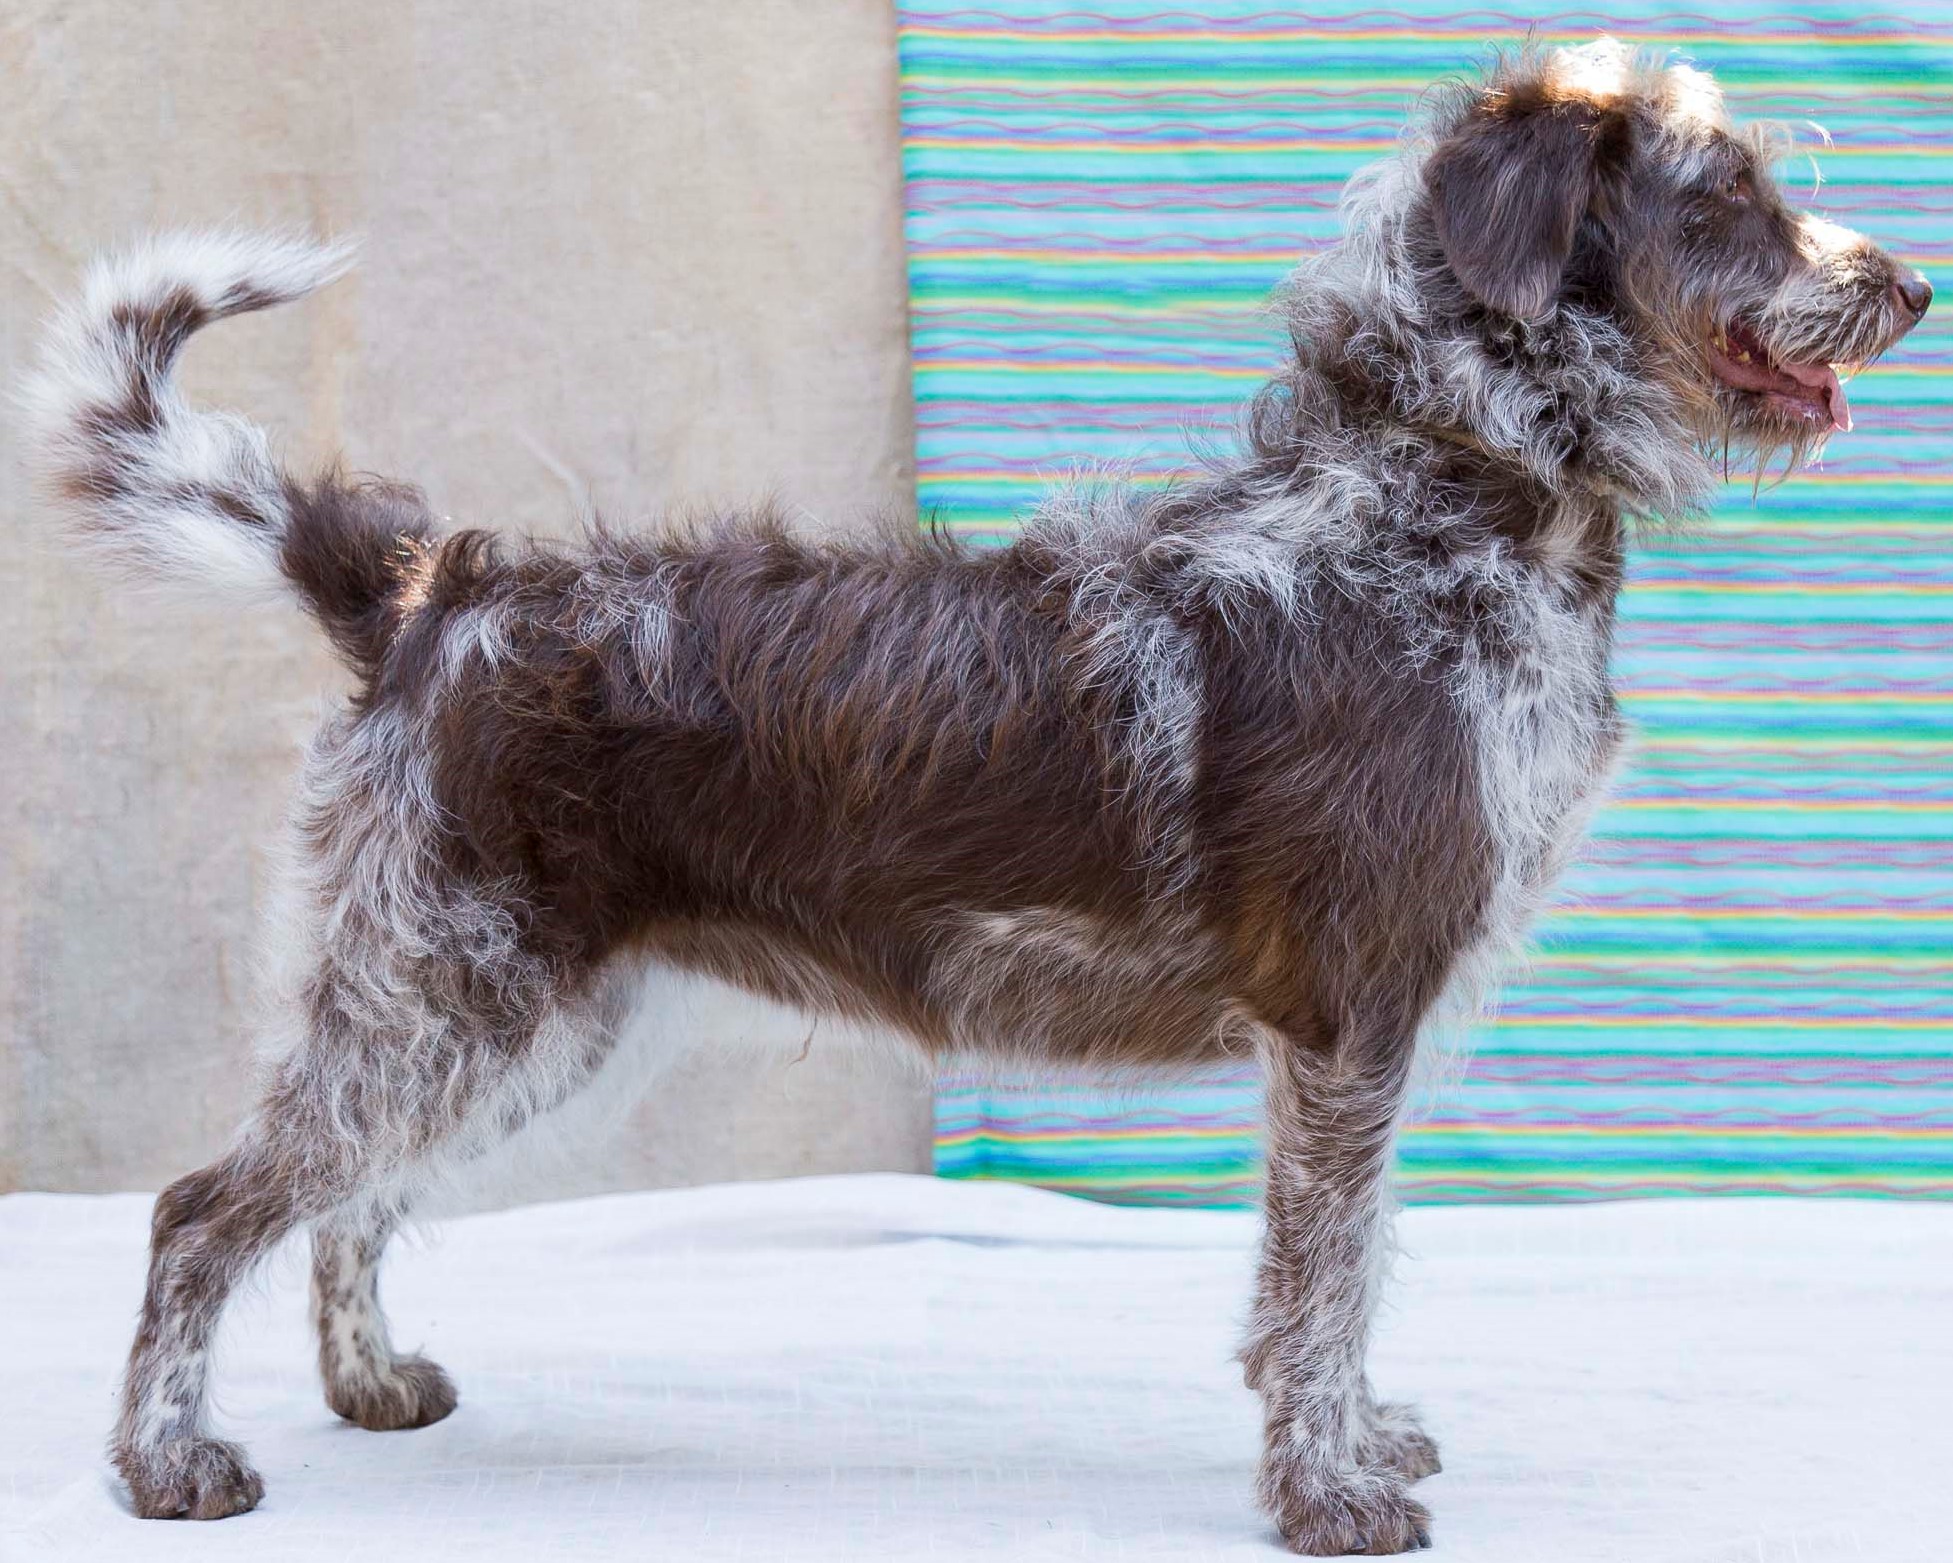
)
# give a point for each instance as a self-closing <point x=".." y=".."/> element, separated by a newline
<point x="1331" y="1475"/>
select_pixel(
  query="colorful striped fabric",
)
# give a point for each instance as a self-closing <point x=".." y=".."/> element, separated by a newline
<point x="1747" y="986"/>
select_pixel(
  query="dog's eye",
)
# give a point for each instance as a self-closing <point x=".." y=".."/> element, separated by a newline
<point x="1739" y="189"/>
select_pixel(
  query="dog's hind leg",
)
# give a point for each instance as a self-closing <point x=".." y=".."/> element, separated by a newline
<point x="355" y="1117"/>
<point x="365" y="1381"/>
<point x="208" y="1230"/>
<point x="573" y="1083"/>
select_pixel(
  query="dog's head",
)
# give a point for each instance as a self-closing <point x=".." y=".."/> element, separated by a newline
<point x="1591" y="179"/>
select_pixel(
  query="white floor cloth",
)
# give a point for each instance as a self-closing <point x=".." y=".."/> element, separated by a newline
<point x="906" y="1369"/>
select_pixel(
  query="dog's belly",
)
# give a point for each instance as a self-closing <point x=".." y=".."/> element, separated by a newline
<point x="1040" y="985"/>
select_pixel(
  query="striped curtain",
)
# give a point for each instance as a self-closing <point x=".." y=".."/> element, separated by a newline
<point x="1745" y="987"/>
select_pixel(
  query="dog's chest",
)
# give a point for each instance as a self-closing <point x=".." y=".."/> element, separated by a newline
<point x="1547" y="734"/>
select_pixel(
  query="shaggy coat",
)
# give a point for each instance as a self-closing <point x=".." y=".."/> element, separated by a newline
<point x="1273" y="763"/>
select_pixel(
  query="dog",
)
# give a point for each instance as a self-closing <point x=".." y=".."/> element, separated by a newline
<point x="1275" y="762"/>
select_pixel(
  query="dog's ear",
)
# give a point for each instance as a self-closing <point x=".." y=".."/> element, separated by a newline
<point x="1508" y="189"/>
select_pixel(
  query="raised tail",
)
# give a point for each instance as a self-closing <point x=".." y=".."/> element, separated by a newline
<point x="173" y="497"/>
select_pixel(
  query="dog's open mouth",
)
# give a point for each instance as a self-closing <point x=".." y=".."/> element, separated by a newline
<point x="1812" y="392"/>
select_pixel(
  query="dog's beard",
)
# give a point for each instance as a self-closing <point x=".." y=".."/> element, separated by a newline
<point x="1761" y="444"/>
<point x="1780" y="385"/>
<point x="1772" y="410"/>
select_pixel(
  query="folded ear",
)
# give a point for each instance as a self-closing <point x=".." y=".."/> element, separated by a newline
<point x="1508" y="189"/>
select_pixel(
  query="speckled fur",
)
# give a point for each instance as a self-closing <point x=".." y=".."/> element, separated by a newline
<point x="1277" y="762"/>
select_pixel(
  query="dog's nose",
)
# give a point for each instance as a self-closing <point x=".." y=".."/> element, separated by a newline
<point x="1914" y="293"/>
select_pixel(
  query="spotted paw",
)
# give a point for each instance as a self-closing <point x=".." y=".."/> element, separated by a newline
<point x="189" y="1478"/>
<point x="1361" y="1510"/>
<point x="413" y="1393"/>
<point x="1397" y="1439"/>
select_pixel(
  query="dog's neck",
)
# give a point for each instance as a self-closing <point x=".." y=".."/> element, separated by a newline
<point x="1568" y="405"/>
<point x="1577" y="538"/>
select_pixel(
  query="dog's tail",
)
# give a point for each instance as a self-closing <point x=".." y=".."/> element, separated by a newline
<point x="172" y="497"/>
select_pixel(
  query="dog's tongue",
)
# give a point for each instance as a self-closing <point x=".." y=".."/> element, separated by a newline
<point x="1756" y="373"/>
<point x="1823" y="379"/>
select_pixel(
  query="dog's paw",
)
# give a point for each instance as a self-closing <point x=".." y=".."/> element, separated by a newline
<point x="414" y="1393"/>
<point x="190" y="1478"/>
<point x="1363" y="1510"/>
<point x="1397" y="1439"/>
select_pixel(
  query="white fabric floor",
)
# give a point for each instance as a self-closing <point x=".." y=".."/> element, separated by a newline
<point x="902" y="1368"/>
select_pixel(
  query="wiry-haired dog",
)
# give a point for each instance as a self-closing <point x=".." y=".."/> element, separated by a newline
<point x="1276" y="761"/>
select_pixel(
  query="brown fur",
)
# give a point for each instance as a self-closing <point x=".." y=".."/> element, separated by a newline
<point x="1275" y="763"/>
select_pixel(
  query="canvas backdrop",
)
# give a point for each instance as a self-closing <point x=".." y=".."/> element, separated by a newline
<point x="615" y="256"/>
<point x="1745" y="986"/>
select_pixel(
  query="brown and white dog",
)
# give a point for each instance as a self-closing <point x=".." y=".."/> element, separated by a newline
<point x="1275" y="762"/>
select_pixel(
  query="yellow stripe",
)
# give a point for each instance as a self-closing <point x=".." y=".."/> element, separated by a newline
<point x="1647" y="750"/>
<point x="1371" y="146"/>
<point x="1004" y="475"/>
<point x="1799" y="696"/>
<point x="1640" y="961"/>
<point x="1586" y="1020"/>
<point x="1772" y="914"/>
<point x="1316" y="35"/>
<point x="1585" y="1127"/>
<point x="1785" y="805"/>
<point x="1075" y="366"/>
<point x="1333" y="91"/>
<point x="1095" y="1132"/>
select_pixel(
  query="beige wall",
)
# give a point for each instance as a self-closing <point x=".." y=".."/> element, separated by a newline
<point x="617" y="252"/>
